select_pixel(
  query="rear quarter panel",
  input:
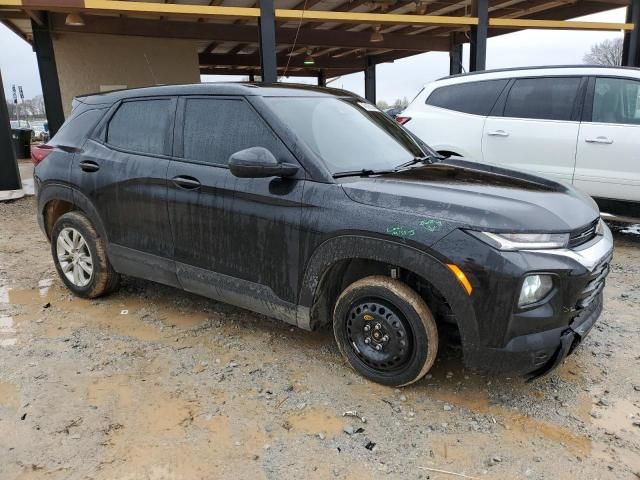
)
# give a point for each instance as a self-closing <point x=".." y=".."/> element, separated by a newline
<point x="447" y="130"/>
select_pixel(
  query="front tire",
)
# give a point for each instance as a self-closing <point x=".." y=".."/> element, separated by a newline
<point x="80" y="257"/>
<point x="385" y="331"/>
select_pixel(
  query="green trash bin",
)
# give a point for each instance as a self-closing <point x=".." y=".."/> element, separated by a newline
<point x="22" y="142"/>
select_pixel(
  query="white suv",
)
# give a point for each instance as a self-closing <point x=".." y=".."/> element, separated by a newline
<point x="577" y="124"/>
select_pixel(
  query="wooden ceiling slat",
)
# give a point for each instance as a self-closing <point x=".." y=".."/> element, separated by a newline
<point x="245" y="33"/>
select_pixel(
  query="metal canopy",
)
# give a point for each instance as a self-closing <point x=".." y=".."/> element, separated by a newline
<point x="338" y="34"/>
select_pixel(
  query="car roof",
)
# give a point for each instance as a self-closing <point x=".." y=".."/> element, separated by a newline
<point x="541" y="71"/>
<point x="218" y="88"/>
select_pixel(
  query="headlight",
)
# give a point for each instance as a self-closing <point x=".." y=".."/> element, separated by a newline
<point x="523" y="241"/>
<point x="600" y="228"/>
<point x="534" y="288"/>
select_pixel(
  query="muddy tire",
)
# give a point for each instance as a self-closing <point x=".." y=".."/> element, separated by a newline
<point x="385" y="331"/>
<point x="80" y="257"/>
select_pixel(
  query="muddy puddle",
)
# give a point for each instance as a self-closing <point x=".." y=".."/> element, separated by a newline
<point x="315" y="422"/>
<point x="50" y="303"/>
<point x="9" y="397"/>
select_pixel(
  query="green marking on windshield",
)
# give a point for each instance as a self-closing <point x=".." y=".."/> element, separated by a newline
<point x="431" y="225"/>
<point x="399" y="231"/>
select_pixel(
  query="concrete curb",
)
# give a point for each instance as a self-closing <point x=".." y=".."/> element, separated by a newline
<point x="26" y="190"/>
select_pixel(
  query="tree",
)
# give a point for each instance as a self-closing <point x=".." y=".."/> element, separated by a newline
<point x="29" y="109"/>
<point x="382" y="105"/>
<point x="401" y="103"/>
<point x="607" y="53"/>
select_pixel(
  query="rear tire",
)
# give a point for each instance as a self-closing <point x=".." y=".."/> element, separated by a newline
<point x="80" y="257"/>
<point x="385" y="331"/>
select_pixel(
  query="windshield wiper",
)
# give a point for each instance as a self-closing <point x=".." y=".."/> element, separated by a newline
<point x="365" y="172"/>
<point x="426" y="159"/>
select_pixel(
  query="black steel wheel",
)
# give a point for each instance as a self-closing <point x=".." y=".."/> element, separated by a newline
<point x="379" y="334"/>
<point x="385" y="331"/>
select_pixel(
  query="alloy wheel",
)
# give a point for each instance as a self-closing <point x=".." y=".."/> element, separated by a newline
<point x="74" y="257"/>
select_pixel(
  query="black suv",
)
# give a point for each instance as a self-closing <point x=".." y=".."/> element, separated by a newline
<point x="312" y="206"/>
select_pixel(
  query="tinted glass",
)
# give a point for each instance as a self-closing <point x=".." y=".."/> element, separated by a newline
<point x="616" y="100"/>
<point x="347" y="135"/>
<point x="214" y="129"/>
<point x="77" y="127"/>
<point x="542" y="98"/>
<point x="476" y="97"/>
<point x="141" y="126"/>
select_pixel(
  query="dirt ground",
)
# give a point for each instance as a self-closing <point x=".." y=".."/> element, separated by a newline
<point x="154" y="383"/>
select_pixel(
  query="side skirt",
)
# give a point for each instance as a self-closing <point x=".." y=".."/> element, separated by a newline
<point x="223" y="288"/>
<point x="143" y="265"/>
<point x="620" y="210"/>
<point x="241" y="293"/>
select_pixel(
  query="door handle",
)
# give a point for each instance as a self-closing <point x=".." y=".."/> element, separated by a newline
<point x="601" y="139"/>
<point x="89" y="166"/>
<point x="498" y="133"/>
<point x="185" y="182"/>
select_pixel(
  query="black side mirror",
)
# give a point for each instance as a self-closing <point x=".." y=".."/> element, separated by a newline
<point x="258" y="162"/>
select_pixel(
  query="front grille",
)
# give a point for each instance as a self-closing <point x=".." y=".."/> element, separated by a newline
<point x="583" y="235"/>
<point x="595" y="285"/>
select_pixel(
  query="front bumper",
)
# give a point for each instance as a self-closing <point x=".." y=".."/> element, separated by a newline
<point x="571" y="337"/>
<point x="533" y="341"/>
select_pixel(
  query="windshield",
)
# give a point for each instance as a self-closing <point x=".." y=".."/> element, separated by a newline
<point x="346" y="134"/>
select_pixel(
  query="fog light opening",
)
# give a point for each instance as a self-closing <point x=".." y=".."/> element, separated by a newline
<point x="462" y="278"/>
<point x="534" y="288"/>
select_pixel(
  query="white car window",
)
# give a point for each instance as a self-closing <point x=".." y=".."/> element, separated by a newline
<point x="616" y="100"/>
<point x="548" y="98"/>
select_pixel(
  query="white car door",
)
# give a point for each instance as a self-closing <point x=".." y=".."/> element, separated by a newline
<point x="608" y="158"/>
<point x="536" y="128"/>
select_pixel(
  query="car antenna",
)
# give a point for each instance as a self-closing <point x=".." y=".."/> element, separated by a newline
<point x="153" y="76"/>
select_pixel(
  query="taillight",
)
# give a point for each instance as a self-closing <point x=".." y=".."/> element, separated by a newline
<point x="39" y="153"/>
<point x="402" y="120"/>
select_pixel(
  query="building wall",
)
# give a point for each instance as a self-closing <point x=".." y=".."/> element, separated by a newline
<point x="89" y="63"/>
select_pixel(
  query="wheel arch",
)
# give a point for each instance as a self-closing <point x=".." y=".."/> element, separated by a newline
<point x="329" y="267"/>
<point x="54" y="200"/>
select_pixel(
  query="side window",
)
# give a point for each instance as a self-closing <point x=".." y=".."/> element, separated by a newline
<point x="215" y="128"/>
<point x="141" y="126"/>
<point x="477" y="98"/>
<point x="616" y="100"/>
<point x="76" y="129"/>
<point x="542" y="98"/>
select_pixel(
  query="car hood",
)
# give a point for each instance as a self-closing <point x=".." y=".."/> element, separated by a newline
<point x="477" y="195"/>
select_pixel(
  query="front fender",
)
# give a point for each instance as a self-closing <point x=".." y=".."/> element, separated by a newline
<point x="349" y="247"/>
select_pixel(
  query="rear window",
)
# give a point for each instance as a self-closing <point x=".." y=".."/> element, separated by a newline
<point x="142" y="126"/>
<point x="77" y="128"/>
<point x="542" y="98"/>
<point x="477" y="98"/>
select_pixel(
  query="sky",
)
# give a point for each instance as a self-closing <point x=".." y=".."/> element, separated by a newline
<point x="403" y="78"/>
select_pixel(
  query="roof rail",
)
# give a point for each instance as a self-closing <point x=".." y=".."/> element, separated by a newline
<point x="539" y="67"/>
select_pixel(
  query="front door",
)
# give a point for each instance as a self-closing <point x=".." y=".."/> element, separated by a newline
<point x="537" y="127"/>
<point x="608" y="160"/>
<point x="236" y="239"/>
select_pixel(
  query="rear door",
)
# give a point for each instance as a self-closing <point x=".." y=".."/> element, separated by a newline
<point x="123" y="173"/>
<point x="608" y="160"/>
<point x="235" y="238"/>
<point x="535" y="126"/>
<point x="452" y="117"/>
